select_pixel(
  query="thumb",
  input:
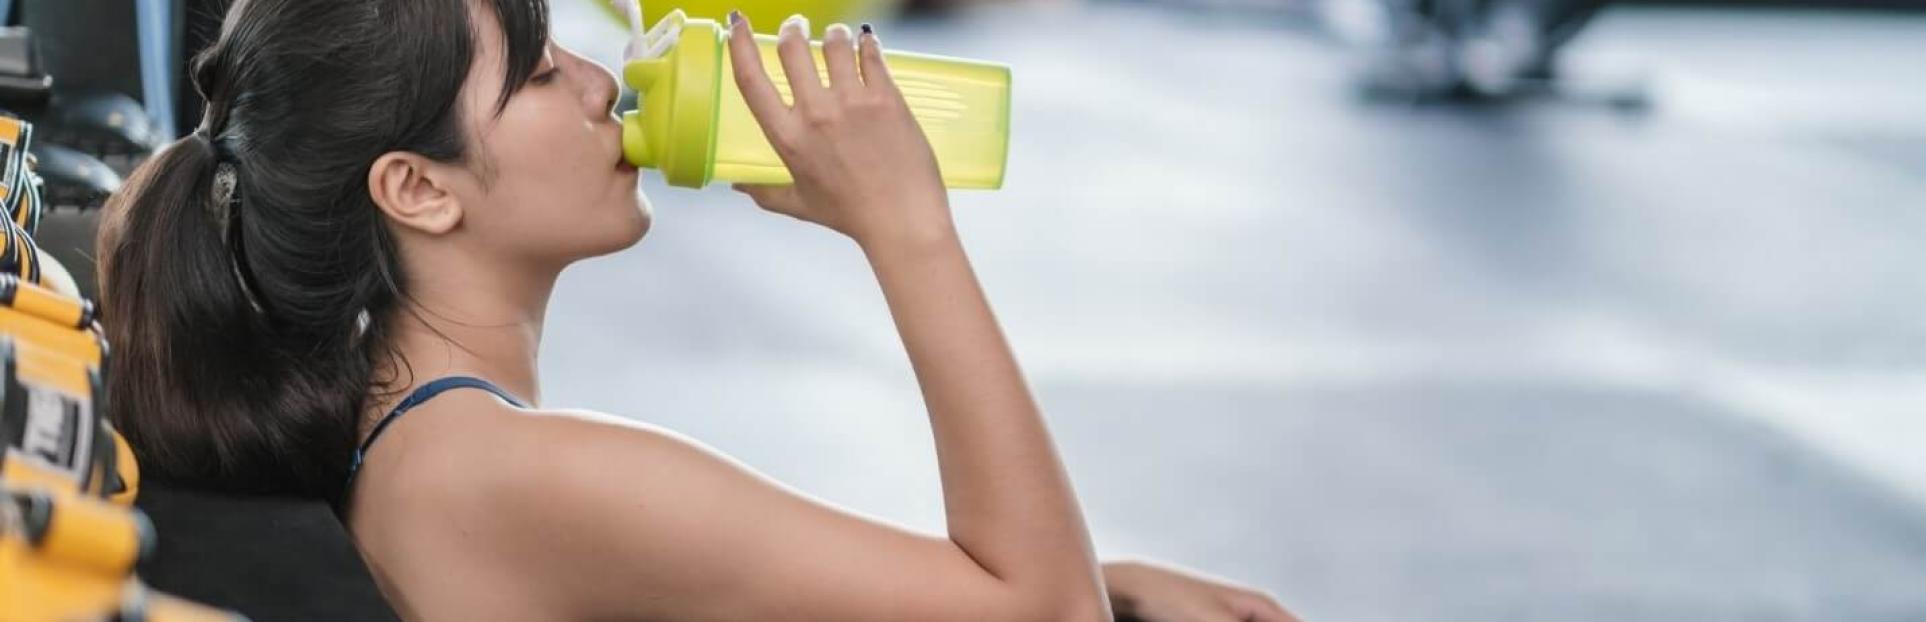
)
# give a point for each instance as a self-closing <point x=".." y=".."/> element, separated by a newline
<point x="755" y="191"/>
<point x="1261" y="608"/>
<point x="781" y="199"/>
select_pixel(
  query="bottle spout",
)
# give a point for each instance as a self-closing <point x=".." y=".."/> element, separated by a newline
<point x="635" y="141"/>
<point x="631" y="11"/>
<point x="649" y="42"/>
<point x="650" y="68"/>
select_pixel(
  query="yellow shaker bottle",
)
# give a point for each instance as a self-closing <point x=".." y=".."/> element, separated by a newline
<point x="693" y="125"/>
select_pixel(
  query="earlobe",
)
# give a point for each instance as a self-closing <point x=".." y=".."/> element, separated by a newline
<point x="406" y="187"/>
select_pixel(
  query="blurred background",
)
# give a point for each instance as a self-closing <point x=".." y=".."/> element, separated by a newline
<point x="1398" y="309"/>
<point x="1381" y="306"/>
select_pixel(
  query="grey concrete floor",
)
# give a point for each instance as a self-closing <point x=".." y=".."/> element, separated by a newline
<point x="1536" y="362"/>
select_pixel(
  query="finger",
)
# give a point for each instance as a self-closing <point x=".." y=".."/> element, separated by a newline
<point x="781" y="199"/>
<point x="1268" y="615"/>
<point x="1279" y="614"/>
<point x="759" y="193"/>
<point x="875" y="71"/>
<point x="757" y="91"/>
<point x="1217" y="615"/>
<point x="1262" y="608"/>
<point x="839" y="52"/>
<point x="798" y="62"/>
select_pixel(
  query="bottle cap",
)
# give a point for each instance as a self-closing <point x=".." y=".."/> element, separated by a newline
<point x="673" y="128"/>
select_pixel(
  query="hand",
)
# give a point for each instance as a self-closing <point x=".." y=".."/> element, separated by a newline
<point x="1155" y="593"/>
<point x="860" y="163"/>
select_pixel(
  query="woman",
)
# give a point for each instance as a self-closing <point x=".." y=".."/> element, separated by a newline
<point x="336" y="287"/>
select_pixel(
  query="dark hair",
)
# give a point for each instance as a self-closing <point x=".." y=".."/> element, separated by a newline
<point x="246" y="336"/>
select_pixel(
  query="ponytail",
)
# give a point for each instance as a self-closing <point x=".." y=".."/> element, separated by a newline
<point x="201" y="384"/>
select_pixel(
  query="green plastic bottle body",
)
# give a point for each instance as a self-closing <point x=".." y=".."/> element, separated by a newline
<point x="693" y="125"/>
<point x="962" y="106"/>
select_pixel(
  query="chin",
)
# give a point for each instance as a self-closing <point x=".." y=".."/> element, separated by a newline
<point x="630" y="230"/>
<point x="640" y="229"/>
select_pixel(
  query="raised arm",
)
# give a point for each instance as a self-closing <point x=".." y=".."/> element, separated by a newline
<point x="637" y="521"/>
<point x="863" y="167"/>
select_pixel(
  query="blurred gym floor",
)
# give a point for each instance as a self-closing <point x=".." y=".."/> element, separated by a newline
<point x="1542" y="361"/>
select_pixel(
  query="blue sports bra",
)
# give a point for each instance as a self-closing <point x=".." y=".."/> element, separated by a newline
<point x="423" y="394"/>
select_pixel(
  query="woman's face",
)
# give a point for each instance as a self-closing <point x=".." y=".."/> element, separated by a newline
<point x="550" y="183"/>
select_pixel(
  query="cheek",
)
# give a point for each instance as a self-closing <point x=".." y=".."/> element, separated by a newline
<point x="566" y="200"/>
<point x="557" y="156"/>
<point x="542" y="141"/>
<point x="556" y="185"/>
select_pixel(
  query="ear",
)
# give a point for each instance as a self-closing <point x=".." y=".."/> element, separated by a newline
<point x="412" y="191"/>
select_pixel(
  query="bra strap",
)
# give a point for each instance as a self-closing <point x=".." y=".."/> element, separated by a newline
<point x="423" y="394"/>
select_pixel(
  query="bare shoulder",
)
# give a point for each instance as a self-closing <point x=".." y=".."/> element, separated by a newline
<point x="469" y="491"/>
<point x="608" y="517"/>
<point x="579" y="459"/>
<point x="471" y="448"/>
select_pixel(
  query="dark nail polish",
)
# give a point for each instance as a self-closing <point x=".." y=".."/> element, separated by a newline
<point x="735" y="16"/>
<point x="867" y="29"/>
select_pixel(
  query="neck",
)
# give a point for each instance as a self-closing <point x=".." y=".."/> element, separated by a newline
<point x="472" y="321"/>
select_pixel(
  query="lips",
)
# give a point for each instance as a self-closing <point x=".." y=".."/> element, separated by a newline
<point x="622" y="162"/>
<point x="621" y="159"/>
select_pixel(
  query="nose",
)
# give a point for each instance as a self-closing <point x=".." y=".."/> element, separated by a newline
<point x="602" y="90"/>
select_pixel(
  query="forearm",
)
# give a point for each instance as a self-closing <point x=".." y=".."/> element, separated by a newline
<point x="1007" y="497"/>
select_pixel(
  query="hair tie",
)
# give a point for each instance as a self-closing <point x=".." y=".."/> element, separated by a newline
<point x="222" y="206"/>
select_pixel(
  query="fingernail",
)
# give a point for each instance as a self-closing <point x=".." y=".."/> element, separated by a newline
<point x="735" y="17"/>
<point x="867" y="29"/>
<point x="801" y="23"/>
